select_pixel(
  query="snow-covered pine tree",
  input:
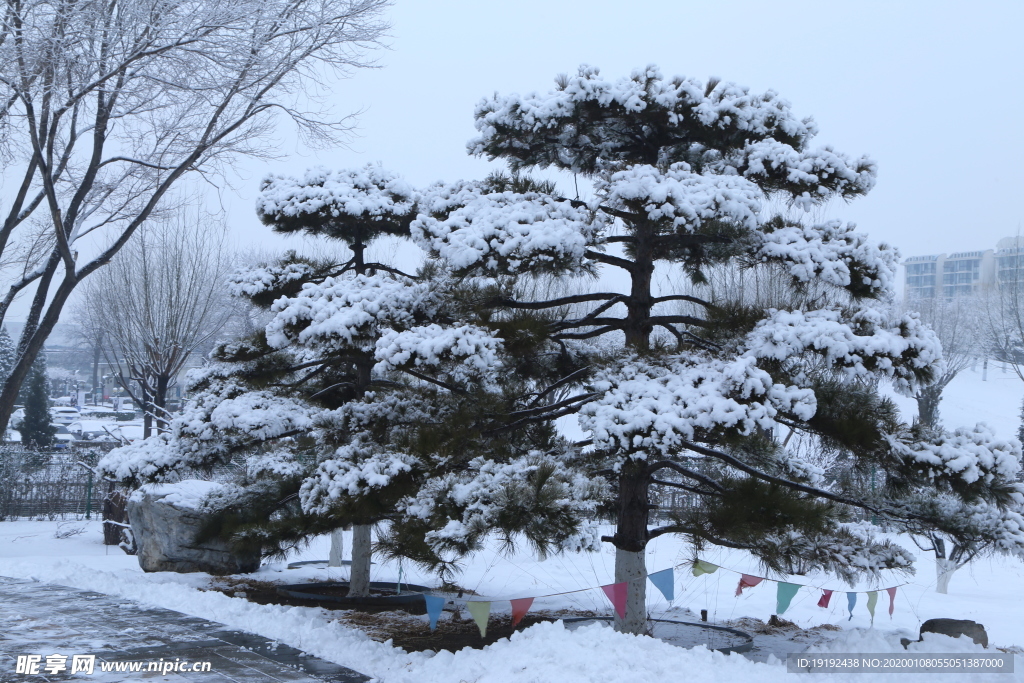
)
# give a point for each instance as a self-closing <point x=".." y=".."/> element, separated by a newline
<point x="690" y="393"/>
<point x="7" y="353"/>
<point x="36" y="429"/>
<point x="369" y="396"/>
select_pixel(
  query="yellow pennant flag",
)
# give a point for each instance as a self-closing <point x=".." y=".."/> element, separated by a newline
<point x="702" y="567"/>
<point x="481" y="611"/>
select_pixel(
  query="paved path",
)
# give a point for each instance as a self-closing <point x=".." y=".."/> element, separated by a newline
<point x="45" y="619"/>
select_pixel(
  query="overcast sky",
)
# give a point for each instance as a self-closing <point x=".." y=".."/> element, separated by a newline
<point x="931" y="90"/>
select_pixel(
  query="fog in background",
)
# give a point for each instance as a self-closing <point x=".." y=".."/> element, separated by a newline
<point x="931" y="90"/>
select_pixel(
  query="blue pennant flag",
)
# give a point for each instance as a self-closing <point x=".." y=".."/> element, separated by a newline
<point x="434" y="607"/>
<point x="851" y="598"/>
<point x="665" y="581"/>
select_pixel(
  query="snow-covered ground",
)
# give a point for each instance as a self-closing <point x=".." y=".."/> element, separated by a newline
<point x="985" y="592"/>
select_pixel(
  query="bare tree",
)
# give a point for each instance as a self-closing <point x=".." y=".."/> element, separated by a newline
<point x="957" y="323"/>
<point x="104" y="106"/>
<point x="161" y="299"/>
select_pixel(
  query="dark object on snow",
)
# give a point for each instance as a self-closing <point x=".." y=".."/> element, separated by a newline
<point x="165" y="534"/>
<point x="336" y="591"/>
<point x="954" y="628"/>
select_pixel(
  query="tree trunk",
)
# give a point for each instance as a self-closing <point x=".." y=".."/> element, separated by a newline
<point x="928" y="405"/>
<point x="160" y="402"/>
<point x="943" y="573"/>
<point x="147" y="411"/>
<point x="359" y="578"/>
<point x="631" y="544"/>
<point x="337" y="548"/>
<point x="631" y="566"/>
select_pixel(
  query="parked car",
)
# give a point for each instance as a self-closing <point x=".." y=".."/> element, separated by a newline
<point x="63" y="438"/>
<point x="92" y="430"/>
<point x="64" y="416"/>
<point x="127" y="431"/>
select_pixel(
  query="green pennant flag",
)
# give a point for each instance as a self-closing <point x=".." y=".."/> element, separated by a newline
<point x="702" y="567"/>
<point x="784" y="596"/>
<point x="481" y="611"/>
<point x="872" y="601"/>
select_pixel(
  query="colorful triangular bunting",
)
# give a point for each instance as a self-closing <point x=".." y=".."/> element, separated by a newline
<point x="616" y="592"/>
<point x="784" y="596"/>
<point x="892" y="600"/>
<point x="747" y="581"/>
<point x="702" y="567"/>
<point x="481" y="611"/>
<point x="826" y="595"/>
<point x="519" y="609"/>
<point x="851" y="599"/>
<point x="665" y="582"/>
<point x="434" y="607"/>
<point x="872" y="601"/>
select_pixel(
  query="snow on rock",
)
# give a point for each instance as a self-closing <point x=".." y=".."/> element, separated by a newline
<point x="186" y="494"/>
<point x="649" y="407"/>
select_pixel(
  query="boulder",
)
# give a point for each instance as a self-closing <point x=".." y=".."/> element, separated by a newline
<point x="165" y="520"/>
<point x="954" y="628"/>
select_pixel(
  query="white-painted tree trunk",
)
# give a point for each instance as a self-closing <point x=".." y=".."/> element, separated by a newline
<point x="337" y="548"/>
<point x="632" y="567"/>
<point x="943" y="573"/>
<point x="359" y="579"/>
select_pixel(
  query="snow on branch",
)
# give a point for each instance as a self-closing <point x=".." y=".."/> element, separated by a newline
<point x="685" y="198"/>
<point x="973" y="455"/>
<point x="811" y="176"/>
<point x="589" y="118"/>
<point x="369" y="193"/>
<point x="144" y="460"/>
<point x="354" y="469"/>
<point x="864" y="344"/>
<point x="251" y="282"/>
<point x="833" y="253"/>
<point x="507" y="232"/>
<point x="471" y="352"/>
<point x="649" y="408"/>
<point x="341" y="312"/>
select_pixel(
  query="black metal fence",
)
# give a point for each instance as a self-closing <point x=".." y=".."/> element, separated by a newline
<point x="48" y="485"/>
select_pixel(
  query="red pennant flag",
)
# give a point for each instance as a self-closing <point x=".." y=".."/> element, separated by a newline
<point x="616" y="592"/>
<point x="892" y="600"/>
<point x="519" y="609"/>
<point x="747" y="581"/>
<point x="826" y="595"/>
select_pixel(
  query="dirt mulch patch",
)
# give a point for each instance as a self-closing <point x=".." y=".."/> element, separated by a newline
<point x="452" y="633"/>
<point x="265" y="593"/>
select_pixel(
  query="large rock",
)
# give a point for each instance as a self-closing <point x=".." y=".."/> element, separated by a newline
<point x="954" y="628"/>
<point x="166" y="518"/>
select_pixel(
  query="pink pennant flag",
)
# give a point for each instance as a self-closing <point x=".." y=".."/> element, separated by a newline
<point x="747" y="581"/>
<point x="826" y="595"/>
<point x="519" y="609"/>
<point x="616" y="592"/>
<point x="892" y="600"/>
